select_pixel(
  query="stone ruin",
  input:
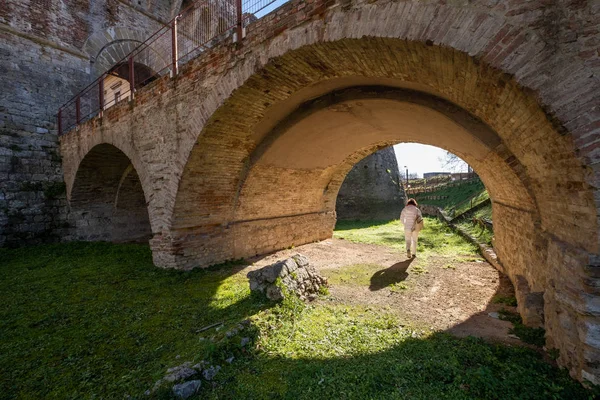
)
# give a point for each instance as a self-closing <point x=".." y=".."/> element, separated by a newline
<point x="294" y="273"/>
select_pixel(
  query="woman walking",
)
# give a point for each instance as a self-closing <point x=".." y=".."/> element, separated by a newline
<point x="412" y="219"/>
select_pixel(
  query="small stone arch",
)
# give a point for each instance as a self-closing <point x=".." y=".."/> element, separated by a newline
<point x="107" y="200"/>
<point x="107" y="48"/>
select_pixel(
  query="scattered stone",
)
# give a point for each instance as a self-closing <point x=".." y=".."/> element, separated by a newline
<point x="199" y="367"/>
<point x="294" y="273"/>
<point x="231" y="333"/>
<point x="181" y="372"/>
<point x="210" y="372"/>
<point x="244" y="342"/>
<point x="230" y="360"/>
<point x="187" y="389"/>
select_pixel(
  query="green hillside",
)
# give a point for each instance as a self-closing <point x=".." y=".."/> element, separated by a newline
<point x="456" y="198"/>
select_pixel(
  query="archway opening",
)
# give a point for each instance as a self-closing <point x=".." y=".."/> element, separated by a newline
<point x="292" y="156"/>
<point x="288" y="194"/>
<point x="117" y="83"/>
<point x="107" y="200"/>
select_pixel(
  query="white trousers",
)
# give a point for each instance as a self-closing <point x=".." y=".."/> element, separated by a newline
<point x="411" y="240"/>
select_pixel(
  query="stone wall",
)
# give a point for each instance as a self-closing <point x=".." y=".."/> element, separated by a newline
<point x="108" y="203"/>
<point x="36" y="78"/>
<point x="370" y="190"/>
<point x="47" y="54"/>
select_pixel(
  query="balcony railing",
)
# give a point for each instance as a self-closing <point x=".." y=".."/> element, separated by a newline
<point x="197" y="28"/>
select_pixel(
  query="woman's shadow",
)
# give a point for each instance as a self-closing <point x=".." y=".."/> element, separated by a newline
<point x="394" y="274"/>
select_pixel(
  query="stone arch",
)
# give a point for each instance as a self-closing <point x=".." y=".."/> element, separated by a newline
<point x="107" y="200"/>
<point x="534" y="83"/>
<point x="107" y="48"/>
<point x="267" y="86"/>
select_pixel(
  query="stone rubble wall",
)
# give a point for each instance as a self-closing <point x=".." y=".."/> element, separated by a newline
<point x="370" y="190"/>
<point x="292" y="275"/>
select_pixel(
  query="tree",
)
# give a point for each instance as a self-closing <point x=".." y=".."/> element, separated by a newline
<point x="454" y="163"/>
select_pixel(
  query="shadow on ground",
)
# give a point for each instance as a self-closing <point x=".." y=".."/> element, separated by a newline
<point x="389" y="276"/>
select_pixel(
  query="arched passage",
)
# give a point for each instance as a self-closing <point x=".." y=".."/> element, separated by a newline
<point x="107" y="200"/>
<point x="268" y="178"/>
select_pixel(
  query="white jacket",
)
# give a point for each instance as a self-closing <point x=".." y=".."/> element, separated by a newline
<point x="409" y="216"/>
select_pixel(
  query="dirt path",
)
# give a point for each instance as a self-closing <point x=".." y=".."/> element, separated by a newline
<point x="451" y="294"/>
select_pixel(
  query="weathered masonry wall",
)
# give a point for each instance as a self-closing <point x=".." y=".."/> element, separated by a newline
<point x="35" y="79"/>
<point x="257" y="136"/>
<point x="371" y="190"/>
<point x="49" y="50"/>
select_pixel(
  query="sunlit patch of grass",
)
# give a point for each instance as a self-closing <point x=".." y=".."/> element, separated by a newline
<point x="356" y="274"/>
<point x="398" y="287"/>
<point x="418" y="269"/>
<point x="449" y="266"/>
<point x="436" y="238"/>
<point x="457" y="196"/>
<point x="356" y="352"/>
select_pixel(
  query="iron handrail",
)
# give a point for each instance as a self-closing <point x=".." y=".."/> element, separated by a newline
<point x="234" y="9"/>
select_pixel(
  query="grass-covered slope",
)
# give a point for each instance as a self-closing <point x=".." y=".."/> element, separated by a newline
<point x="457" y="197"/>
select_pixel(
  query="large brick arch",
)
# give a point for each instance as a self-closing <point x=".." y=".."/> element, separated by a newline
<point x="528" y="72"/>
<point x="537" y="146"/>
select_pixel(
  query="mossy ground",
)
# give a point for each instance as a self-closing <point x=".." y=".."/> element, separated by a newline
<point x="97" y="320"/>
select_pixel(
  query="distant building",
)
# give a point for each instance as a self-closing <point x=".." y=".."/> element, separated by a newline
<point x="459" y="176"/>
<point x="429" y="175"/>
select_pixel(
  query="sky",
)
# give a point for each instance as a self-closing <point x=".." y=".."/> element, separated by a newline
<point x="269" y="8"/>
<point x="421" y="158"/>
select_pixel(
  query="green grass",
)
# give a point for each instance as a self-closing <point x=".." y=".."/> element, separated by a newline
<point x="508" y="300"/>
<point x="333" y="352"/>
<point x="534" y="336"/>
<point x="481" y="233"/>
<point x="436" y="237"/>
<point x="89" y="321"/>
<point x="354" y="275"/>
<point x="99" y="320"/>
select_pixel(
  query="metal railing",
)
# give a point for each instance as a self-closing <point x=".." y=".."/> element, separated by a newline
<point x="199" y="27"/>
